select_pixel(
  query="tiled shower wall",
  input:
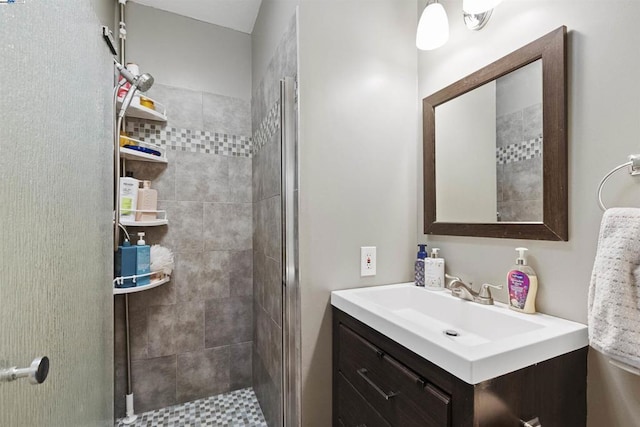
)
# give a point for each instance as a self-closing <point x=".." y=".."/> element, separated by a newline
<point x="267" y="257"/>
<point x="519" y="164"/>
<point x="192" y="337"/>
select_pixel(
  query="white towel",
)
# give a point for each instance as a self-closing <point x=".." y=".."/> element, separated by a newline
<point x="614" y="292"/>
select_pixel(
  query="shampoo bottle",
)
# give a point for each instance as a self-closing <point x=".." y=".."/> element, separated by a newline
<point x="434" y="271"/>
<point x="147" y="201"/>
<point x="419" y="266"/>
<point x="143" y="261"/>
<point x="523" y="285"/>
<point x="125" y="264"/>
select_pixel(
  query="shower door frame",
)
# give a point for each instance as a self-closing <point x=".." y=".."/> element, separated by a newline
<point x="291" y="372"/>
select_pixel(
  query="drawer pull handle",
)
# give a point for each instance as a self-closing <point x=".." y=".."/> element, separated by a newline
<point x="363" y="373"/>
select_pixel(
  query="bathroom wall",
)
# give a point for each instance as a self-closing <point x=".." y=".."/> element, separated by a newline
<point x="183" y="52"/>
<point x="267" y="230"/>
<point x="56" y="211"/>
<point x="358" y="121"/>
<point x="192" y="337"/>
<point x="604" y="103"/>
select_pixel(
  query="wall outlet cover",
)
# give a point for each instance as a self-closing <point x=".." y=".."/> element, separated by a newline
<point x="367" y="261"/>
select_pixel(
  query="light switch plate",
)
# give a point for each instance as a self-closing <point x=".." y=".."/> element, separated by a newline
<point x="367" y="261"/>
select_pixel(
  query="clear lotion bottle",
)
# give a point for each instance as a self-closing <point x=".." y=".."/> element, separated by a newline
<point x="522" y="282"/>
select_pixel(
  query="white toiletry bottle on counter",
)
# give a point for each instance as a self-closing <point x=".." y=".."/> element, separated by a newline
<point x="523" y="285"/>
<point x="434" y="271"/>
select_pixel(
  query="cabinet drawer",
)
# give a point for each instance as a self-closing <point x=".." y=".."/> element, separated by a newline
<point x="400" y="395"/>
<point x="353" y="410"/>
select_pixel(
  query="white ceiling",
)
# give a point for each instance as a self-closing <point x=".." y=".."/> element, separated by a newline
<point x="238" y="15"/>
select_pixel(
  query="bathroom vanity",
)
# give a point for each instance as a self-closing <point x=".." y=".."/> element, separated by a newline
<point x="390" y="369"/>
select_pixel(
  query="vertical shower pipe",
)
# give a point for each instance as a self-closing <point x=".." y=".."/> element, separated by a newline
<point x="290" y="396"/>
<point x="130" y="416"/>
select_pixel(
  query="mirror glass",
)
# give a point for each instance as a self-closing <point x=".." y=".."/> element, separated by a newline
<point x="486" y="171"/>
<point x="488" y="151"/>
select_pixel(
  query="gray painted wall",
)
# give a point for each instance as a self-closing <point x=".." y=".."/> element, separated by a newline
<point x="189" y="54"/>
<point x="56" y="212"/>
<point x="604" y="101"/>
<point x="358" y="120"/>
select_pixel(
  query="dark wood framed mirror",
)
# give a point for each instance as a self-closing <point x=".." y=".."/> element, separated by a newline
<point x="495" y="148"/>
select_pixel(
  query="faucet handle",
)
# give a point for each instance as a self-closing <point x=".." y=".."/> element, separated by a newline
<point x="451" y="279"/>
<point x="485" y="292"/>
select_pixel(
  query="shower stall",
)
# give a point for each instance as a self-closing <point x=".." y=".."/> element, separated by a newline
<point x="224" y="331"/>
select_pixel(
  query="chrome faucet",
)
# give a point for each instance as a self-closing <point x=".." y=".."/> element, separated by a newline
<point x="463" y="291"/>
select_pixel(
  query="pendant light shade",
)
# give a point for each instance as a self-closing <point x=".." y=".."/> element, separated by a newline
<point x="479" y="6"/>
<point x="433" y="27"/>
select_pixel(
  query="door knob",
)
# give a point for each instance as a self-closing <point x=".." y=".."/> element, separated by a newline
<point x="36" y="373"/>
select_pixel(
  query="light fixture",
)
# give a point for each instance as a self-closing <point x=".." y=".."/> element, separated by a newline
<point x="476" y="13"/>
<point x="433" y="27"/>
<point x="479" y="6"/>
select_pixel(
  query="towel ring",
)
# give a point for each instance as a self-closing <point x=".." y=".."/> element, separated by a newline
<point x="634" y="163"/>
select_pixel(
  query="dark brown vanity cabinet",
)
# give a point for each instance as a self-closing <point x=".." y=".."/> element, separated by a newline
<point x="378" y="382"/>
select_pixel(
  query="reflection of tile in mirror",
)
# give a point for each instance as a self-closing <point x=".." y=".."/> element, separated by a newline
<point x="532" y="122"/>
<point x="509" y="129"/>
<point x="527" y="210"/>
<point x="522" y="180"/>
<point x="499" y="182"/>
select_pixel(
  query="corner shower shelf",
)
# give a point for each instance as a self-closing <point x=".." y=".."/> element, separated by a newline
<point x="158" y="114"/>
<point x="154" y="223"/>
<point x="160" y="220"/>
<point x="131" y="154"/>
<point x="153" y="284"/>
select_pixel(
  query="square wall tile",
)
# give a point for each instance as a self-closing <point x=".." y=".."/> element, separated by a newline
<point x="201" y="177"/>
<point x="228" y="226"/>
<point x="240" y="180"/>
<point x="189" y="329"/>
<point x="203" y="373"/>
<point x="184" y="234"/>
<point x="154" y="383"/>
<point x="161" y="324"/>
<point x="224" y="114"/>
<point x="201" y="276"/>
<point x="228" y="321"/>
<point x="240" y="367"/>
<point x="241" y="273"/>
<point x="184" y="106"/>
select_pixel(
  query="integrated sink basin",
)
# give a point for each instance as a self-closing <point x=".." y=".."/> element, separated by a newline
<point x="471" y="341"/>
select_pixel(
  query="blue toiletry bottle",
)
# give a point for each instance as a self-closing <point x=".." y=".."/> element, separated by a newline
<point x="419" y="268"/>
<point x="125" y="264"/>
<point x="143" y="262"/>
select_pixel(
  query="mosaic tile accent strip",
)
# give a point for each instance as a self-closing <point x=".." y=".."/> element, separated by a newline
<point x="519" y="151"/>
<point x="269" y="126"/>
<point x="238" y="408"/>
<point x="194" y="141"/>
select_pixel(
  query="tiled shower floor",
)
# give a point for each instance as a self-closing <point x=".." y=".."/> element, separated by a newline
<point x="238" y="408"/>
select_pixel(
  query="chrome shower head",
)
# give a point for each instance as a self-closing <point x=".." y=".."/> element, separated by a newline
<point x="142" y="82"/>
